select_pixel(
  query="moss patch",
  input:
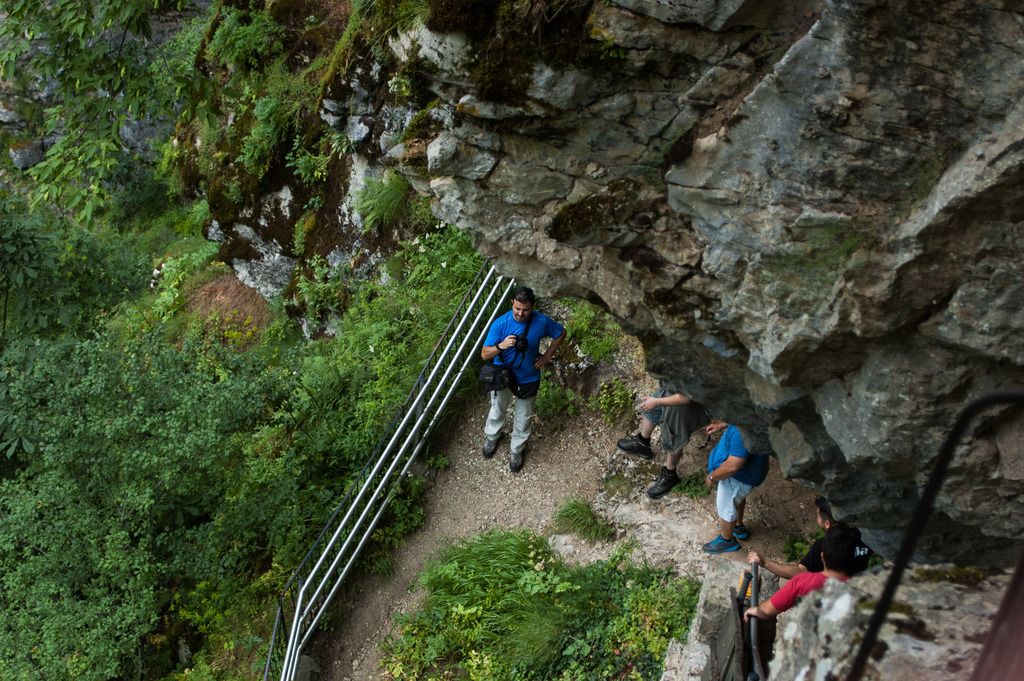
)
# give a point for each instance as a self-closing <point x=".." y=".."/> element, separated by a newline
<point x="806" y="277"/>
<point x="613" y="205"/>
<point x="510" y="35"/>
<point x="618" y="485"/>
<point x="964" y="576"/>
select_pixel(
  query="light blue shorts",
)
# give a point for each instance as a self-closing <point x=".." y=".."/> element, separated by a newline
<point x="731" y="493"/>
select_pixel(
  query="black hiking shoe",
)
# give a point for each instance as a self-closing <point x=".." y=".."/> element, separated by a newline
<point x="515" y="462"/>
<point x="491" y="446"/>
<point x="663" y="485"/>
<point x="634" y="445"/>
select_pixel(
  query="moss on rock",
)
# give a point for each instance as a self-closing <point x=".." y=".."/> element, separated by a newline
<point x="613" y="205"/>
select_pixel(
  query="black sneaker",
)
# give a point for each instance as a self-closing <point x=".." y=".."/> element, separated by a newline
<point x="663" y="485"/>
<point x="491" y="446"/>
<point x="515" y="462"/>
<point x="634" y="445"/>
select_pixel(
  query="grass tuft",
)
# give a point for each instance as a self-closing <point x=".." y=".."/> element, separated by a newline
<point x="579" y="518"/>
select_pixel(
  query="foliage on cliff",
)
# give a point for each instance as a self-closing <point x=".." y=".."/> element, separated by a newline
<point x="156" y="493"/>
<point x="96" y="61"/>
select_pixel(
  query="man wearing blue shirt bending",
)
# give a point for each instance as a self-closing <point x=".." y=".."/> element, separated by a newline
<point x="514" y="341"/>
<point x="737" y="472"/>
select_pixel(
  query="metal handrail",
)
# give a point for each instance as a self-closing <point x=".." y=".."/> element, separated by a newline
<point x="320" y="574"/>
<point x="476" y="284"/>
<point x="755" y="598"/>
<point x="376" y="493"/>
<point x="923" y="511"/>
<point x="419" y="445"/>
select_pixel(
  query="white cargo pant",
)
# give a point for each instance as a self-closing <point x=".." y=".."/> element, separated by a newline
<point x="522" y="422"/>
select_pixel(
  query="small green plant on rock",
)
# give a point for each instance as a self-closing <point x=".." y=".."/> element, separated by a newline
<point x="613" y="401"/>
<point x="576" y="516"/>
<point x="693" y="486"/>
<point x="244" y="39"/>
<point x="554" y="404"/>
<point x="592" y="329"/>
<point x="324" y="291"/>
<point x="383" y="202"/>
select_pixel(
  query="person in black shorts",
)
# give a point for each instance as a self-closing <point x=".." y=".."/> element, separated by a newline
<point x="679" y="417"/>
<point x="812" y="561"/>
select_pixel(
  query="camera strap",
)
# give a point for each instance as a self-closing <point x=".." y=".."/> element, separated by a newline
<point x="520" y="355"/>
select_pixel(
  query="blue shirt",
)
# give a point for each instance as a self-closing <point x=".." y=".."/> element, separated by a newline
<point x="522" y="363"/>
<point x="754" y="467"/>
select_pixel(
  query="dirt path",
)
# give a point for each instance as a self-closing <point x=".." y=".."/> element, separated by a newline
<point x="475" y="494"/>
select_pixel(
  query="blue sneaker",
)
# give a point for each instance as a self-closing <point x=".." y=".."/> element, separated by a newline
<point x="720" y="545"/>
<point x="741" y="532"/>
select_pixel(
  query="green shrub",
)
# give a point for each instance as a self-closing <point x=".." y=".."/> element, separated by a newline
<point x="182" y="508"/>
<point x="133" y="450"/>
<point x="244" y="39"/>
<point x="173" y="66"/>
<point x="593" y="330"/>
<point x="503" y="606"/>
<point x="797" y="545"/>
<point x="383" y="202"/>
<point x="173" y="275"/>
<point x="693" y="486"/>
<point x="56" y="278"/>
<point x="421" y="217"/>
<point x="141" y="197"/>
<point x="614" y="401"/>
<point x="575" y="515"/>
<point x="325" y="290"/>
<point x="555" y="403"/>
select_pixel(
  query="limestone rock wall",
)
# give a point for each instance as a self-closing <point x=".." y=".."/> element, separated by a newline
<point x="810" y="213"/>
<point x="935" y="630"/>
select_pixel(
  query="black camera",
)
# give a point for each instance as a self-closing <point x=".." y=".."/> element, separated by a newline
<point x="521" y="344"/>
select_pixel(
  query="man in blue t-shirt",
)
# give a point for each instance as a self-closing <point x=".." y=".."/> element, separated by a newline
<point x="737" y="472"/>
<point x="514" y="341"/>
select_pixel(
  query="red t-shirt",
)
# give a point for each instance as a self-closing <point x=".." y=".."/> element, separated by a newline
<point x="801" y="585"/>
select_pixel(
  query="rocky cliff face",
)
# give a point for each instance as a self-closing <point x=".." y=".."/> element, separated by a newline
<point x="811" y="213"/>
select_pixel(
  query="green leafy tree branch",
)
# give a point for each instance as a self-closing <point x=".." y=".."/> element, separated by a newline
<point x="92" y="56"/>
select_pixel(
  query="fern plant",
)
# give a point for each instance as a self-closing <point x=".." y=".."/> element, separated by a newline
<point x="383" y="202"/>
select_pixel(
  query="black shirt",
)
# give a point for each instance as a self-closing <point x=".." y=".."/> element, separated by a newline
<point x="812" y="561"/>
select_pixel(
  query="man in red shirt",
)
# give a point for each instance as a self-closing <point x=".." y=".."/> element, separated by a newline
<point x="839" y="556"/>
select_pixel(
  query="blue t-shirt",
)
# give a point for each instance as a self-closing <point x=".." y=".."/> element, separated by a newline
<point x="731" y="444"/>
<point x="522" y="363"/>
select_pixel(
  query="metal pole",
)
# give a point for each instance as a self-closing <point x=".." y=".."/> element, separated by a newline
<point x="920" y="520"/>
<point x="755" y="599"/>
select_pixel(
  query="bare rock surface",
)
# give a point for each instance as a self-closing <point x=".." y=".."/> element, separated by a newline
<point x="935" y="630"/>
